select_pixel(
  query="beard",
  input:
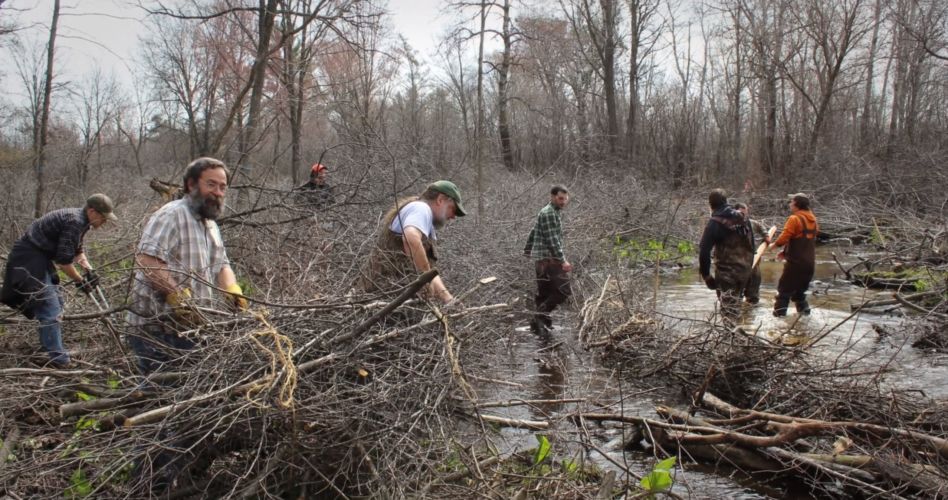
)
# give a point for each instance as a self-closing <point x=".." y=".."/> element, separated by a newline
<point x="208" y="207"/>
<point x="439" y="220"/>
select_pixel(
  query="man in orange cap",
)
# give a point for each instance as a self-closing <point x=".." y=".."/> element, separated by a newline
<point x="316" y="193"/>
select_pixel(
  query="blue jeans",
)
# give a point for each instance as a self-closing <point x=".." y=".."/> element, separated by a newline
<point x="48" y="310"/>
<point x="156" y="346"/>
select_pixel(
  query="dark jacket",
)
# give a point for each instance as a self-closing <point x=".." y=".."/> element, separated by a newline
<point x="54" y="237"/>
<point x="727" y="233"/>
<point x="59" y="234"/>
<point x="314" y="195"/>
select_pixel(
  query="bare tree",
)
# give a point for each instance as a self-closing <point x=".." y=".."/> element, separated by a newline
<point x="507" y="35"/>
<point x="643" y="35"/>
<point x="96" y="103"/>
<point x="600" y="24"/>
<point x="768" y="55"/>
<point x="835" y="28"/>
<point x="41" y="125"/>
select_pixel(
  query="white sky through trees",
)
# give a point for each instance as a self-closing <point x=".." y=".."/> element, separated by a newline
<point x="106" y="33"/>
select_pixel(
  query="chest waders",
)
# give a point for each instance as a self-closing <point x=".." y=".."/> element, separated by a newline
<point x="388" y="267"/>
<point x="797" y="271"/>
<point x="733" y="257"/>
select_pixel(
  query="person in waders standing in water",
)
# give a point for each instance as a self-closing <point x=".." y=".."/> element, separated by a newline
<point x="726" y="236"/>
<point x="799" y="236"/>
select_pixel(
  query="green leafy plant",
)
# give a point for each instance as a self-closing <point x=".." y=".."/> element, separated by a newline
<point x="245" y="286"/>
<point x="543" y="449"/>
<point x="653" y="250"/>
<point x="660" y="479"/>
<point x="79" y="486"/>
<point x="87" y="423"/>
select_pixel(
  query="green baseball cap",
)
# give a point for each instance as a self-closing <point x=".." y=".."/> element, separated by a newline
<point x="102" y="204"/>
<point x="450" y="190"/>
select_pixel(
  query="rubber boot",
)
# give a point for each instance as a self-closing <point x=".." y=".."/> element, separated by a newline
<point x="542" y="323"/>
<point x="780" y="306"/>
<point x="802" y="307"/>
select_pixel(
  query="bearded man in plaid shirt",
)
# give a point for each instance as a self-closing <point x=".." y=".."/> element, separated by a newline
<point x="545" y="245"/>
<point x="181" y="266"/>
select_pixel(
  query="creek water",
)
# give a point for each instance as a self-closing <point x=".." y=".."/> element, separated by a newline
<point x="530" y="367"/>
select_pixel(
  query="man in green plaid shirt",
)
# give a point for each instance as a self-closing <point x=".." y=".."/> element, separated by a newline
<point x="545" y="245"/>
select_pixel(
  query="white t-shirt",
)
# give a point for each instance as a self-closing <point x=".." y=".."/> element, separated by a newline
<point x="416" y="214"/>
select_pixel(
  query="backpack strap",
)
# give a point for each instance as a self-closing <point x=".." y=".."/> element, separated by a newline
<point x="728" y="223"/>
<point x="807" y="232"/>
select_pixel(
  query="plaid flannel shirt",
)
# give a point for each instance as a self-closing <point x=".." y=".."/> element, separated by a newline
<point x="546" y="237"/>
<point x="59" y="234"/>
<point x="193" y="250"/>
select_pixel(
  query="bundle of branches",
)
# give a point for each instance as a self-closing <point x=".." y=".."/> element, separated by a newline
<point x="804" y="404"/>
<point x="332" y="397"/>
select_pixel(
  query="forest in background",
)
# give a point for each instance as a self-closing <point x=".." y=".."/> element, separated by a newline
<point x="840" y="95"/>
<point x="639" y="106"/>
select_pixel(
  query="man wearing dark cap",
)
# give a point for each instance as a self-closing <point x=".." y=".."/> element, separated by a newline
<point x="31" y="283"/>
<point x="799" y="236"/>
<point x="405" y="244"/>
<point x="316" y="193"/>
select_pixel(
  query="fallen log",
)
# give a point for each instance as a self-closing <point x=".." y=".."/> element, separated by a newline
<point x="518" y="402"/>
<point x="94" y="405"/>
<point x="537" y="425"/>
<point x="893" y="301"/>
<point x="921" y="477"/>
<point x="902" y="300"/>
<point x="794" y="427"/>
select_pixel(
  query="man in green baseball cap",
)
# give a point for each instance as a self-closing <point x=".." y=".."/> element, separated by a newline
<point x="405" y="245"/>
<point x="53" y="243"/>
<point x="450" y="190"/>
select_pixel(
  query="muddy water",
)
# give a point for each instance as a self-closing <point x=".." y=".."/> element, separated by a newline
<point x="528" y="367"/>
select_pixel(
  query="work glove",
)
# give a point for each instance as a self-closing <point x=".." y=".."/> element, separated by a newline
<point x="184" y="311"/>
<point x="92" y="278"/>
<point x="86" y="285"/>
<point x="236" y="296"/>
<point x="710" y="283"/>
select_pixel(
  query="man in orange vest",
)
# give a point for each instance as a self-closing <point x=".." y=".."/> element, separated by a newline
<point x="799" y="236"/>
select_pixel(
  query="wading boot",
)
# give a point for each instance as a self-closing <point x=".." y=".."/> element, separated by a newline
<point x="780" y="306"/>
<point x="802" y="307"/>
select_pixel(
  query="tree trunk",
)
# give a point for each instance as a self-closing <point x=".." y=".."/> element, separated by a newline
<point x="503" y="72"/>
<point x="864" y="124"/>
<point x="258" y="72"/>
<point x="479" y="122"/>
<point x="40" y="137"/>
<point x="609" y="14"/>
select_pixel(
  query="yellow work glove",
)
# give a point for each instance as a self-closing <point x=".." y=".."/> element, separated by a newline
<point x="183" y="309"/>
<point x="236" y="295"/>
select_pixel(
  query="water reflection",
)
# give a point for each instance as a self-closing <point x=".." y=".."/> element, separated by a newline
<point x="832" y="330"/>
<point x="552" y="365"/>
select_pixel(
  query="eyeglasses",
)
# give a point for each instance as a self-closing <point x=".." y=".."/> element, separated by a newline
<point x="214" y="185"/>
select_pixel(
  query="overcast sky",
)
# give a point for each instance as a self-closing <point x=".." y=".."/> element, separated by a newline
<point x="106" y="32"/>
